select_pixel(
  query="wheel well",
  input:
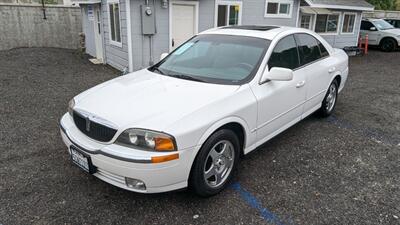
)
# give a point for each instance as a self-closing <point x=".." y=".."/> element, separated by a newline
<point x="339" y="79"/>
<point x="238" y="130"/>
<point x="385" y="38"/>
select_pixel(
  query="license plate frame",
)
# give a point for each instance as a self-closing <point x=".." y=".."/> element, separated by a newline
<point x="81" y="159"/>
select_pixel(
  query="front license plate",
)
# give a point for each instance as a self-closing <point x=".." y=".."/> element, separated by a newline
<point x="81" y="160"/>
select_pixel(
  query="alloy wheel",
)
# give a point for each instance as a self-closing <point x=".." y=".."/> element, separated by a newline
<point x="331" y="98"/>
<point x="219" y="163"/>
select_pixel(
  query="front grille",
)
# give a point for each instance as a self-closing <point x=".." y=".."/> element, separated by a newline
<point x="96" y="131"/>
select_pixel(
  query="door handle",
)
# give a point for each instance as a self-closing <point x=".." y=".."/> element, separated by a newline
<point x="331" y="70"/>
<point x="300" y="84"/>
<point x="173" y="42"/>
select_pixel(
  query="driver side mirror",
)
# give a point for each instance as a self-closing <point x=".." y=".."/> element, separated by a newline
<point x="372" y="29"/>
<point x="163" y="55"/>
<point x="277" y="74"/>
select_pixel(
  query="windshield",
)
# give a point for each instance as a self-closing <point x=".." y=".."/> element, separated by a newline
<point x="382" y="25"/>
<point x="222" y="59"/>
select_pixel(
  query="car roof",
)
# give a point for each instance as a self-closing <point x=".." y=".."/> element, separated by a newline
<point x="265" y="32"/>
<point x="371" y="19"/>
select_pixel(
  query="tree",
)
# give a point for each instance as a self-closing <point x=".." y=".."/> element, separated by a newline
<point x="383" y="4"/>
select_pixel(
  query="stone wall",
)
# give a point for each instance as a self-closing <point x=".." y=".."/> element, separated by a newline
<point x="24" y="26"/>
<point x="382" y="14"/>
<point x="60" y="2"/>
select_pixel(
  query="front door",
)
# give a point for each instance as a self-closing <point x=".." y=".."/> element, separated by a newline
<point x="373" y="35"/>
<point x="280" y="103"/>
<point x="97" y="32"/>
<point x="183" y="22"/>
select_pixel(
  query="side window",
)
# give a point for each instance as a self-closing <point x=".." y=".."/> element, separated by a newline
<point x="308" y="48"/>
<point x="323" y="50"/>
<point x="366" y="25"/>
<point x="285" y="54"/>
<point x="228" y="13"/>
<point x="114" y="22"/>
<point x="393" y="22"/>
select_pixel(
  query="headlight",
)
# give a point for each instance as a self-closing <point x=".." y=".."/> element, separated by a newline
<point x="71" y="105"/>
<point x="147" y="140"/>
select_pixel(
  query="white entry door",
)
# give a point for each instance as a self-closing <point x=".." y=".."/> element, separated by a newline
<point x="184" y="22"/>
<point x="97" y="32"/>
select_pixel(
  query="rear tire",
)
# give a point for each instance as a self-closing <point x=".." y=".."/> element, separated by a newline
<point x="215" y="163"/>
<point x="388" y="45"/>
<point x="329" y="102"/>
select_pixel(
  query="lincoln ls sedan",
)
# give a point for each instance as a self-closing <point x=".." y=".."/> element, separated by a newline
<point x="186" y="121"/>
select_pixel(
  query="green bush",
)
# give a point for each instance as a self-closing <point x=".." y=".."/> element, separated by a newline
<point x="383" y="4"/>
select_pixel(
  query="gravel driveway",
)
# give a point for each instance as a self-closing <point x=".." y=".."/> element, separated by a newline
<point x="340" y="170"/>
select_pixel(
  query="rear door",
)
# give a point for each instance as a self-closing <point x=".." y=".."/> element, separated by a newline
<point x="318" y="68"/>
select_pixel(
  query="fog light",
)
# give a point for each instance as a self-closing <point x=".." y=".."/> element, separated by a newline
<point x="135" y="184"/>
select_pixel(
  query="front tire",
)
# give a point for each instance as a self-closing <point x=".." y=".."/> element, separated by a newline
<point x="329" y="102"/>
<point x="215" y="163"/>
<point x="388" y="45"/>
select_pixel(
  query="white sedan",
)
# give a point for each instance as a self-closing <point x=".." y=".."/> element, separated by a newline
<point x="186" y="121"/>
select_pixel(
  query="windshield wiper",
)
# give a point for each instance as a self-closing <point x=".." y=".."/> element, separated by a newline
<point x="181" y="76"/>
<point x="186" y="77"/>
<point x="158" y="70"/>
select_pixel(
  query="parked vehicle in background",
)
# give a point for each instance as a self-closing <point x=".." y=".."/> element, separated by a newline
<point x="187" y="120"/>
<point x="380" y="33"/>
<point x="394" y="22"/>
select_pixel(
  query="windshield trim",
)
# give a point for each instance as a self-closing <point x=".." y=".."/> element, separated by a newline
<point x="210" y="80"/>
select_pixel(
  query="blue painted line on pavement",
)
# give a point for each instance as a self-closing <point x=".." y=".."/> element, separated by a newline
<point x="255" y="203"/>
<point x="369" y="133"/>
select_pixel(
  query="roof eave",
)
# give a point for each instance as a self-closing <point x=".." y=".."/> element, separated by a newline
<point x="86" y="2"/>
<point x="356" y="8"/>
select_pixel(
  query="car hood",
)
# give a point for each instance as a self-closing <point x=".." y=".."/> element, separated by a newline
<point x="395" y="31"/>
<point x="148" y="100"/>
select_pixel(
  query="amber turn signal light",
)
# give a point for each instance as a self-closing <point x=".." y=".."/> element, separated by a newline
<point x="164" y="158"/>
<point x="164" y="144"/>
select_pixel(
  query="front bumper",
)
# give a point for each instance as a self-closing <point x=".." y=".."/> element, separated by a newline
<point x="114" y="163"/>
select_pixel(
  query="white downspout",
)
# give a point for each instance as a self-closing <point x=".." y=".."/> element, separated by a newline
<point x="298" y="14"/>
<point x="129" y="31"/>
